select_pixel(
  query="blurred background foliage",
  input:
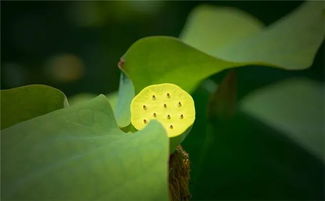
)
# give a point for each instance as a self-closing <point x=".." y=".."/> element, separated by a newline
<point x="75" y="47"/>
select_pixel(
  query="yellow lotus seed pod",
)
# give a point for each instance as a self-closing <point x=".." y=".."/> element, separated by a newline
<point x="167" y="103"/>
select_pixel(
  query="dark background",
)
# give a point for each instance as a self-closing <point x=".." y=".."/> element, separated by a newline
<point x="75" y="46"/>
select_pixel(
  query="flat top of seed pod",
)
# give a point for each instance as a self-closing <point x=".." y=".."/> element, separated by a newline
<point x="168" y="103"/>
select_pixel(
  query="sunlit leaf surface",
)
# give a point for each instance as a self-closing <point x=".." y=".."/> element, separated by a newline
<point x="209" y="28"/>
<point x="84" y="97"/>
<point x="79" y="153"/>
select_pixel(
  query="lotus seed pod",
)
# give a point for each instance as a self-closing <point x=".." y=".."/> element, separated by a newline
<point x="167" y="103"/>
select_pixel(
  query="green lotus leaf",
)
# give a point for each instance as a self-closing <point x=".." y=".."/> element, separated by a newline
<point x="84" y="97"/>
<point x="290" y="43"/>
<point x="23" y="103"/>
<point x="209" y="28"/>
<point x="79" y="153"/>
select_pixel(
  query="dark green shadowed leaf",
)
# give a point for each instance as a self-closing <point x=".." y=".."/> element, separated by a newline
<point x="79" y="153"/>
<point x="240" y="158"/>
<point x="290" y="43"/>
<point x="23" y="103"/>
<point x="222" y="103"/>
<point x="295" y="107"/>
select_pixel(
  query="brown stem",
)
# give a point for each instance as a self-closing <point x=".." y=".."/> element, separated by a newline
<point x="179" y="175"/>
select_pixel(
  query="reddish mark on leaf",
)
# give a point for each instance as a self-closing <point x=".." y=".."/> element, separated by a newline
<point x="121" y="63"/>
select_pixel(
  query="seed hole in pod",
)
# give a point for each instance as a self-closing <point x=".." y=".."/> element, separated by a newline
<point x="168" y="95"/>
<point x="154" y="114"/>
<point x="153" y="97"/>
<point x="168" y="117"/>
<point x="165" y="106"/>
<point x="144" y="107"/>
<point x="145" y="121"/>
<point x="182" y="116"/>
<point x="179" y="104"/>
<point x="171" y="126"/>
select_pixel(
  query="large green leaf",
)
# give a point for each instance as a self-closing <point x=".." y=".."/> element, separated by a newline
<point x="295" y="107"/>
<point x="23" y="103"/>
<point x="164" y="59"/>
<point x="290" y="43"/>
<point x="79" y="153"/>
<point x="209" y="28"/>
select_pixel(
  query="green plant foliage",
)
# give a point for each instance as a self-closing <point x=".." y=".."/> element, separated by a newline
<point x="79" y="153"/>
<point x="112" y="99"/>
<point x="80" y="98"/>
<point x="163" y="59"/>
<point x="125" y="95"/>
<point x="295" y="107"/>
<point x="210" y="28"/>
<point x="239" y="158"/>
<point x="290" y="43"/>
<point x="84" y="97"/>
<point x="23" y="103"/>
<point x="222" y="102"/>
